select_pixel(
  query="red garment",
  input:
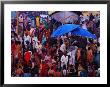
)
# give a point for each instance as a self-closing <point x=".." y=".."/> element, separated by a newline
<point x="19" y="55"/>
<point x="47" y="47"/>
<point x="44" y="71"/>
<point x="37" y="58"/>
<point x="40" y="36"/>
<point x="91" y="74"/>
<point x="27" y="56"/>
<point x="13" y="47"/>
<point x="58" y="74"/>
<point x="54" y="67"/>
<point x="90" y="55"/>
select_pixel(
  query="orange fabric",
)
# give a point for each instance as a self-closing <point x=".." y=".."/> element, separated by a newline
<point x="19" y="71"/>
<point x="17" y="51"/>
<point x="78" y="54"/>
<point x="90" y="55"/>
<point x="38" y="21"/>
<point x="43" y="68"/>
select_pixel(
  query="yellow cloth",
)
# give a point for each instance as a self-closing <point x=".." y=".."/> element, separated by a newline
<point x="37" y="21"/>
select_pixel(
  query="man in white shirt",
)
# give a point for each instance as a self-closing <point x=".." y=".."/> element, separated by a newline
<point x="34" y="41"/>
<point x="64" y="60"/>
<point x="27" y="38"/>
<point x="63" y="48"/>
<point x="72" y="55"/>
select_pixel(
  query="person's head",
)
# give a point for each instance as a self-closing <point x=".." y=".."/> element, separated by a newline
<point x="58" y="70"/>
<point x="12" y="41"/>
<point x="19" y="66"/>
<point x="89" y="48"/>
<point x="71" y="66"/>
<point x="16" y="42"/>
<point x="79" y="48"/>
<point x="96" y="14"/>
<point x="33" y="60"/>
<point x="48" y="54"/>
<point x="90" y="13"/>
<point x="43" y="62"/>
<point x="64" y="66"/>
<point x="26" y="34"/>
<point x="98" y="44"/>
<point x="34" y="49"/>
<point x="27" y="49"/>
<point x="19" y="42"/>
<point x="86" y="20"/>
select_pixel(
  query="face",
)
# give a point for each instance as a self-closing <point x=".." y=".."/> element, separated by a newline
<point x="26" y="34"/>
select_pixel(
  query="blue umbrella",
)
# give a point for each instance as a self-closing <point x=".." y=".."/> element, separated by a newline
<point x="84" y="33"/>
<point x="64" y="29"/>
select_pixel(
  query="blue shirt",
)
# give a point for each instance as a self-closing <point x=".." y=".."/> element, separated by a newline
<point x="27" y="75"/>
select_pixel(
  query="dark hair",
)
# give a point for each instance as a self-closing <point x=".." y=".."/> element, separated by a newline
<point x="12" y="41"/>
<point x="98" y="44"/>
<point x="34" y="49"/>
<point x="27" y="42"/>
<point x="83" y="22"/>
<point x="16" y="42"/>
<point x="51" y="67"/>
<point x="64" y="66"/>
<point x="15" y="34"/>
<point x="20" y="67"/>
<point x="89" y="48"/>
<point x="19" y="42"/>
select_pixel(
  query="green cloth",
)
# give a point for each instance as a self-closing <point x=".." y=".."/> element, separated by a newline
<point x="45" y="24"/>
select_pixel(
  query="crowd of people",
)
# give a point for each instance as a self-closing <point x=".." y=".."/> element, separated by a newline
<point x="34" y="53"/>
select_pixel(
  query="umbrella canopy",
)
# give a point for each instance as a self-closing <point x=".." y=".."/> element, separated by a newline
<point x="84" y="33"/>
<point x="64" y="29"/>
<point x="65" y="16"/>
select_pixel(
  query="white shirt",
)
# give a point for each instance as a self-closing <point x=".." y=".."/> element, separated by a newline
<point x="72" y="55"/>
<point x="32" y="65"/>
<point x="84" y="26"/>
<point x="64" y="72"/>
<point x="63" y="48"/>
<point x="64" y="59"/>
<point x="99" y="40"/>
<point x="35" y="39"/>
<point x="27" y="38"/>
<point x="73" y="52"/>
